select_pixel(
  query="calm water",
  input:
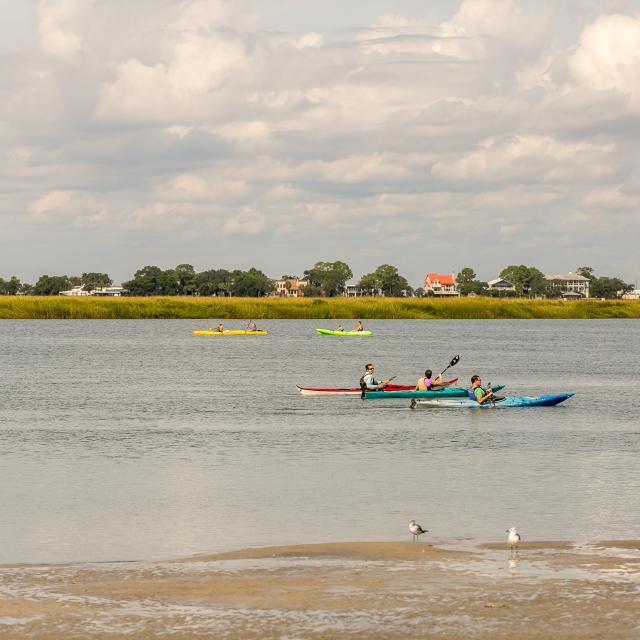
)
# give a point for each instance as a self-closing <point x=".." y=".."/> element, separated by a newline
<point x="137" y="440"/>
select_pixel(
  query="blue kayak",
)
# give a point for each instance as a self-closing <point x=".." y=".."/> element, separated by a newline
<point x="447" y="392"/>
<point x="513" y="401"/>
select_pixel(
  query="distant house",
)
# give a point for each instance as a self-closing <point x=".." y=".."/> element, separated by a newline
<point x="570" y="284"/>
<point x="500" y="284"/>
<point x="631" y="295"/>
<point x="355" y="291"/>
<point x="290" y="287"/>
<point x="76" y="291"/>
<point x="441" y="285"/>
<point x="113" y="291"/>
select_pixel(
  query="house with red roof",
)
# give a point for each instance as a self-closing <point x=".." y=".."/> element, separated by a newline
<point x="441" y="285"/>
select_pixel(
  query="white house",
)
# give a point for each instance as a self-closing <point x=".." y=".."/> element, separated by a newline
<point x="570" y="283"/>
<point x="113" y="291"/>
<point x="500" y="284"/>
<point x="76" y="291"/>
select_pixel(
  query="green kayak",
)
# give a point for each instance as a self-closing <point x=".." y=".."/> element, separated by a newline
<point x="331" y="332"/>
<point x="448" y="392"/>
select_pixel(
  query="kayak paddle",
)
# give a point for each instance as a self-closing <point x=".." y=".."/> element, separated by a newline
<point x="453" y="363"/>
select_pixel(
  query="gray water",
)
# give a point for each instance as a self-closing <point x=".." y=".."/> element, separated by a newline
<point x="136" y="440"/>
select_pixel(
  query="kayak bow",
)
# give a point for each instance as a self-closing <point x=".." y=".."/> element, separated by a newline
<point x="513" y="401"/>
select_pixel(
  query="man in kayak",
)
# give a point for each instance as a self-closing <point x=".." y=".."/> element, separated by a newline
<point x="251" y="326"/>
<point x="339" y="328"/>
<point x="359" y="326"/>
<point x="369" y="383"/>
<point x="428" y="383"/>
<point x="220" y="328"/>
<point x="477" y="392"/>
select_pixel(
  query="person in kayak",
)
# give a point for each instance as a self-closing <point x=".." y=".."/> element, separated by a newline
<point x="251" y="326"/>
<point x="220" y="328"/>
<point x="369" y="383"/>
<point x="477" y="392"/>
<point x="339" y="328"/>
<point x="428" y="383"/>
<point x="359" y="327"/>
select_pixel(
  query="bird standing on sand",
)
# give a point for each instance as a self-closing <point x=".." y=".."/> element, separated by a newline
<point x="513" y="538"/>
<point x="416" y="530"/>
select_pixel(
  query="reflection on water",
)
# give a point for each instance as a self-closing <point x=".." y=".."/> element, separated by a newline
<point x="135" y="439"/>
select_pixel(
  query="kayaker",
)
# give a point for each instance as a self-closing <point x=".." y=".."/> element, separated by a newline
<point x="252" y="326"/>
<point x="220" y="328"/>
<point x="339" y="328"/>
<point x="369" y="383"/>
<point x="477" y="392"/>
<point x="427" y="383"/>
<point x="359" y="326"/>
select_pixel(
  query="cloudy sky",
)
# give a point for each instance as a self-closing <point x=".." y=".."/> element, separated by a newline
<point x="431" y="135"/>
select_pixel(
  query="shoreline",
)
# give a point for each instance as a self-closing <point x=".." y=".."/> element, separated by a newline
<point x="337" y="590"/>
<point x="479" y="308"/>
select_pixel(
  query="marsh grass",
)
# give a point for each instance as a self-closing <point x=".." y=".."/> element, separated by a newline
<point x="58" y="307"/>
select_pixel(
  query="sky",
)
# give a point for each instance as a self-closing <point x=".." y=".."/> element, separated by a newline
<point x="430" y="135"/>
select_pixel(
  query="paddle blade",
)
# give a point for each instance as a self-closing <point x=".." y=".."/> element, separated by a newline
<point x="454" y="362"/>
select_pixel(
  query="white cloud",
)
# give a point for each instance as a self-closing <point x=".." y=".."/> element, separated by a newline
<point x="159" y="116"/>
<point x="608" y="56"/>
<point x="56" y="25"/>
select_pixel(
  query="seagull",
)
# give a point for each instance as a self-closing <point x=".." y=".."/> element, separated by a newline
<point x="513" y="538"/>
<point x="416" y="530"/>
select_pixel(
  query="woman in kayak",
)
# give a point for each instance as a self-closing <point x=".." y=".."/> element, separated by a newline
<point x="369" y="383"/>
<point x="339" y="328"/>
<point x="427" y="383"/>
<point x="220" y="328"/>
<point x="477" y="393"/>
<point x="359" y="326"/>
<point x="251" y="326"/>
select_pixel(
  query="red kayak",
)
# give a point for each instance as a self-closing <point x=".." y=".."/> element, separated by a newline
<point x="332" y="391"/>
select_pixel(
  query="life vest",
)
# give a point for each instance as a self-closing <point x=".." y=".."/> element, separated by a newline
<point x="424" y="384"/>
<point x="472" y="395"/>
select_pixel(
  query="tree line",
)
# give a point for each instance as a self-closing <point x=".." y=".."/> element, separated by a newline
<point x="326" y="279"/>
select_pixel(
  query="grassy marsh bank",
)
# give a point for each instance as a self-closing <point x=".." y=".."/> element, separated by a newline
<point x="61" y="308"/>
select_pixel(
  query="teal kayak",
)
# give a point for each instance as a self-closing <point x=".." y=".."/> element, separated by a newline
<point x="448" y="392"/>
<point x="331" y="332"/>
<point x="513" y="401"/>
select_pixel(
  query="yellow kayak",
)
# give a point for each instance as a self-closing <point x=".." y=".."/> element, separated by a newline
<point x="229" y="332"/>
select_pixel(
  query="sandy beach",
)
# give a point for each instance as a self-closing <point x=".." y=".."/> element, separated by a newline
<point x="342" y="590"/>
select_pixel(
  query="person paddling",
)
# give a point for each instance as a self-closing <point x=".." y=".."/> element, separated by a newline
<point x="339" y="328"/>
<point x="359" y="327"/>
<point x="428" y="382"/>
<point x="220" y="328"/>
<point x="251" y="326"/>
<point x="369" y="383"/>
<point x="477" y="392"/>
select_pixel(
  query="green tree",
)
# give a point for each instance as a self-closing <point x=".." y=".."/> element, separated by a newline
<point x="586" y="272"/>
<point x="331" y="277"/>
<point x="51" y="285"/>
<point x="10" y="287"/>
<point x="93" y="281"/>
<point x="252" y="283"/>
<point x="605" y="287"/>
<point x="212" y="282"/>
<point x="386" y="279"/>
<point x="186" y="279"/>
<point x="153" y="281"/>
<point x="468" y="283"/>
<point x="520" y="276"/>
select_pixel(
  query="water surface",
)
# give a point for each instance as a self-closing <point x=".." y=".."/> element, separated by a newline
<point x="136" y="440"/>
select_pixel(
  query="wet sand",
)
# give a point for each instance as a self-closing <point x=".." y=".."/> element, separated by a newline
<point x="346" y="590"/>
